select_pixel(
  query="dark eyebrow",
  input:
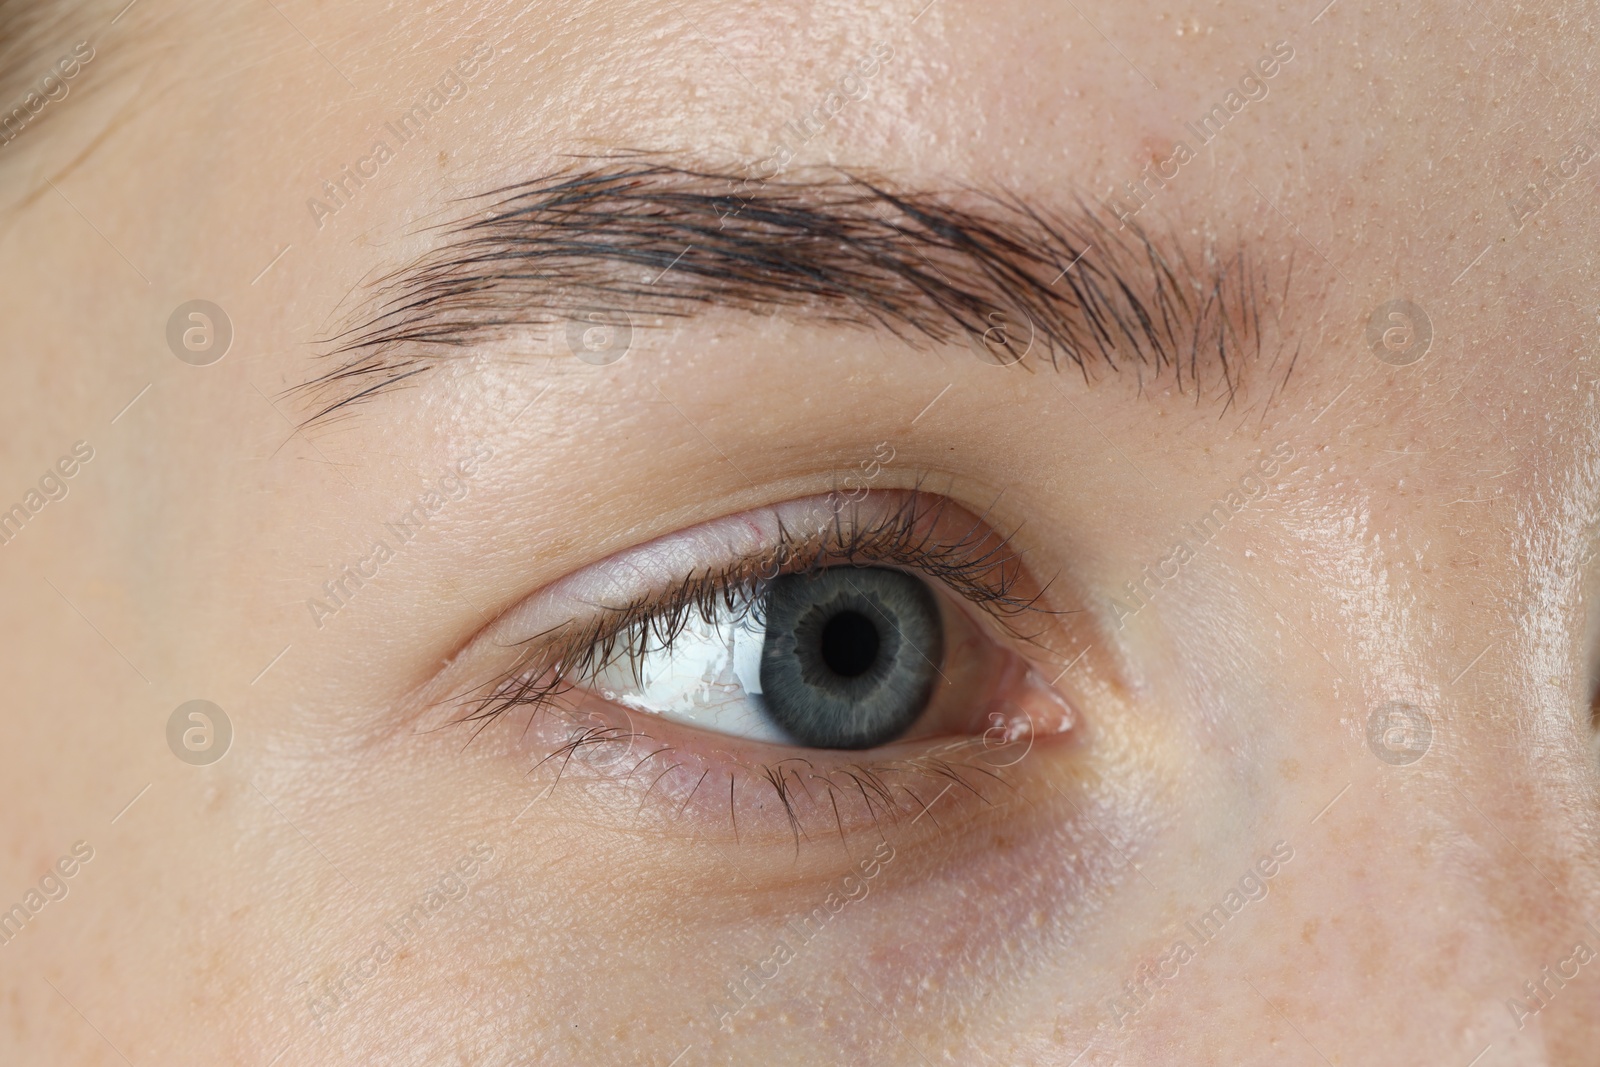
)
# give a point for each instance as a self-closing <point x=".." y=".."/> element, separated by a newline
<point x="632" y="236"/>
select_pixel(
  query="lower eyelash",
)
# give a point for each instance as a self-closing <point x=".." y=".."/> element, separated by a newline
<point x="977" y="564"/>
<point x="880" y="793"/>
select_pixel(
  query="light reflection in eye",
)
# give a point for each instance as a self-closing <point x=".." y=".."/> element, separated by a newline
<point x="708" y="676"/>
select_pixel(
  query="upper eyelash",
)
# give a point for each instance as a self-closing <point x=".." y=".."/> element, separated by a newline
<point x="984" y="573"/>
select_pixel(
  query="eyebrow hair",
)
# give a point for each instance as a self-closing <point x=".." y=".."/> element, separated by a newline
<point x="633" y="236"/>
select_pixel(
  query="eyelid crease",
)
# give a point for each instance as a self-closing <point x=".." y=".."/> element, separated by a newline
<point x="978" y="564"/>
<point x="634" y="234"/>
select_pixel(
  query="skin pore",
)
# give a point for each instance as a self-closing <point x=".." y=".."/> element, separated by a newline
<point x="1303" y="655"/>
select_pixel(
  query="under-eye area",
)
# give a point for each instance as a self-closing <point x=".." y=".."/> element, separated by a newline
<point x="770" y="674"/>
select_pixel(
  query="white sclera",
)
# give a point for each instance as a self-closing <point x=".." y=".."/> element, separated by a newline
<point x="710" y="678"/>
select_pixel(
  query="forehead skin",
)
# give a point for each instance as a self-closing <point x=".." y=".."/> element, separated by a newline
<point x="1427" y="543"/>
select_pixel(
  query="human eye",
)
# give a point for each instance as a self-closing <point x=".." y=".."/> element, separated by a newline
<point x="899" y="629"/>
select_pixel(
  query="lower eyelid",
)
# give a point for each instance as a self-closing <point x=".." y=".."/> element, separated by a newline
<point x="657" y="777"/>
<point x="634" y="770"/>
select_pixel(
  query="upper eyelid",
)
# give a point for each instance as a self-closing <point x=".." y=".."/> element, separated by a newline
<point x="965" y="562"/>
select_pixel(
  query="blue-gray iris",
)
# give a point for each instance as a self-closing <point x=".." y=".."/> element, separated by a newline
<point x="850" y="655"/>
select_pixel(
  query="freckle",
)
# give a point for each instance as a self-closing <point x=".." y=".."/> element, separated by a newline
<point x="443" y="157"/>
<point x="1308" y="932"/>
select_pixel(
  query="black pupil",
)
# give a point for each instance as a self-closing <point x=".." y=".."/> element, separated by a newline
<point x="850" y="644"/>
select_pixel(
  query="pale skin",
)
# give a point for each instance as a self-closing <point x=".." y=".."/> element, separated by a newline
<point x="1428" y="543"/>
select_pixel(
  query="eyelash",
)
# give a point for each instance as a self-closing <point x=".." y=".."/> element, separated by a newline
<point x="978" y="565"/>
